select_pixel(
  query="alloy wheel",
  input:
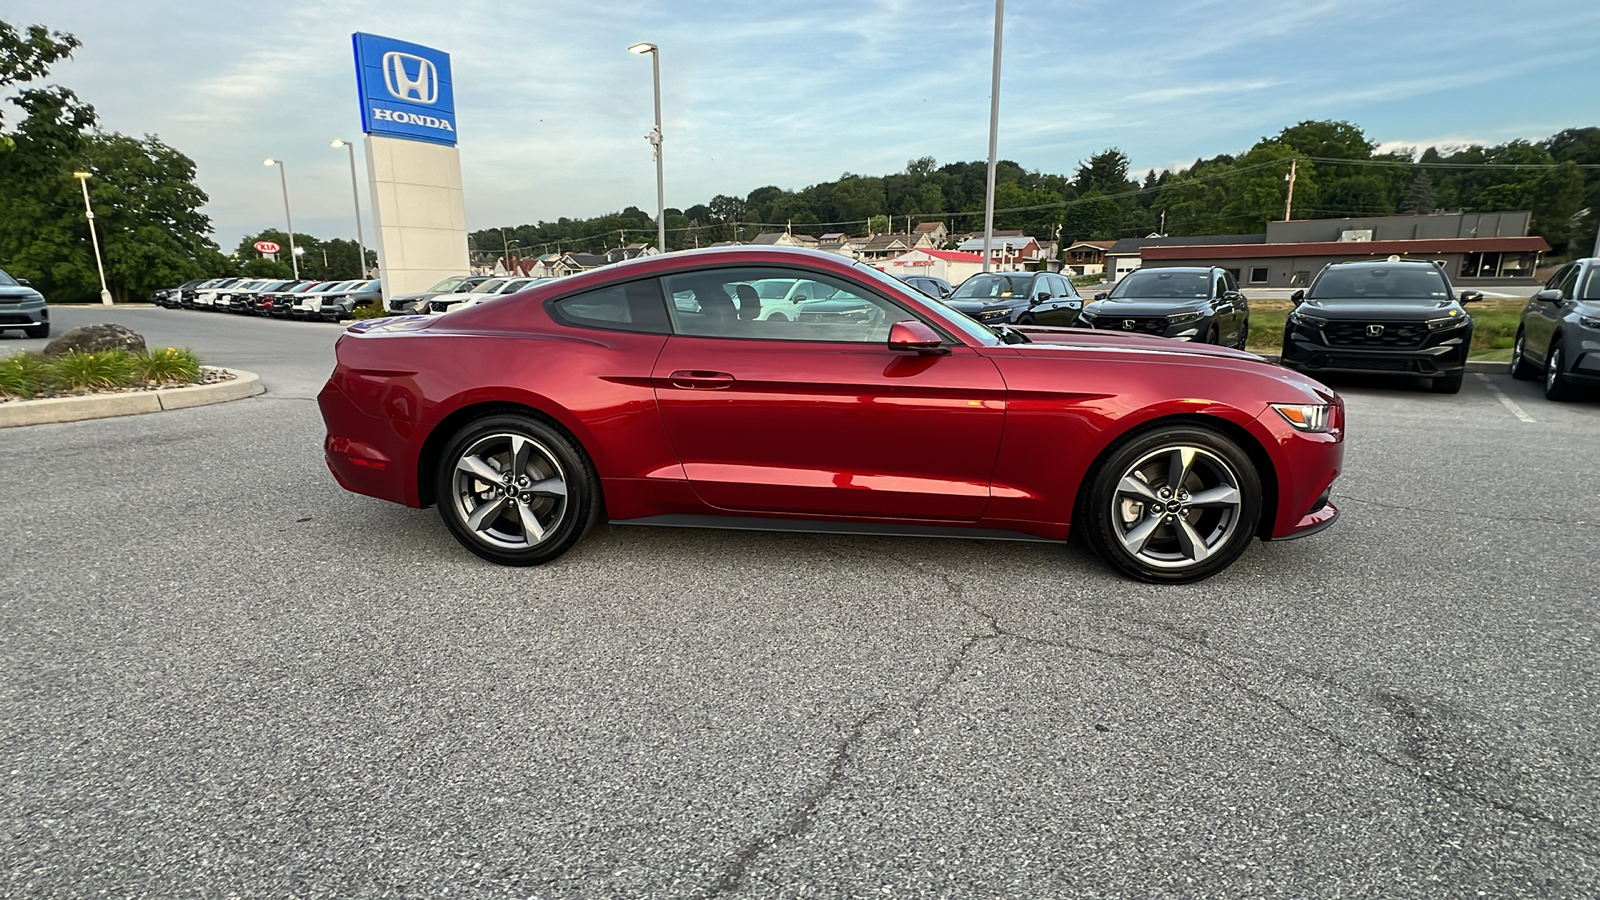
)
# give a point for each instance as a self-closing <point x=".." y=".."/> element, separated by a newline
<point x="1175" y="506"/>
<point x="510" y="490"/>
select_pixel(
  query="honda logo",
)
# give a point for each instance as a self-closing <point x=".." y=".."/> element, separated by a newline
<point x="421" y="88"/>
<point x="1374" y="330"/>
<point x="1127" y="324"/>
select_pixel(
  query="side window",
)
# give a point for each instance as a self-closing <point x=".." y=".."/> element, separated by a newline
<point x="635" y="306"/>
<point x="1591" y="284"/>
<point x="1561" y="273"/>
<point x="1230" y="281"/>
<point x="775" y="304"/>
<point x="1568" y="283"/>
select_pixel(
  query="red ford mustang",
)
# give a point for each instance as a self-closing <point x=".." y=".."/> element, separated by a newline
<point x="787" y="389"/>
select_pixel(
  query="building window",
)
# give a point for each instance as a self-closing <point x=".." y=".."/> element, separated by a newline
<point x="1258" y="274"/>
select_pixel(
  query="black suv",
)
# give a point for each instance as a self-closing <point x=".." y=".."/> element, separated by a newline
<point x="1181" y="302"/>
<point x="1398" y="316"/>
<point x="1017" y="298"/>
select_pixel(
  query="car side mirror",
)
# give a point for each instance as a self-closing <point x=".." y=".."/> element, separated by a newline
<point x="915" y="336"/>
<point x="1102" y="295"/>
<point x="1470" y="296"/>
<point x="1297" y="297"/>
<point x="1232" y="296"/>
<point x="1041" y="297"/>
<point x="1548" y="295"/>
<point x="24" y="282"/>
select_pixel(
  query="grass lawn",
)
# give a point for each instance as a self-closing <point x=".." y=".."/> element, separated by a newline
<point x="1493" y="332"/>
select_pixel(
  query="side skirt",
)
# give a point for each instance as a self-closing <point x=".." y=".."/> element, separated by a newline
<point x="817" y="526"/>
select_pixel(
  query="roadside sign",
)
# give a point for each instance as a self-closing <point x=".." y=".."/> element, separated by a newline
<point x="267" y="246"/>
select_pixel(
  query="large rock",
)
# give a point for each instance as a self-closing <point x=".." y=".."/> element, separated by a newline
<point x="96" y="339"/>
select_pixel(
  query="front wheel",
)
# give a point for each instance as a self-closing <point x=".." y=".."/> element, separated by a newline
<point x="1557" y="386"/>
<point x="516" y="491"/>
<point x="1025" y="320"/>
<point x="1173" y="505"/>
<point x="1244" y="335"/>
<point x="38" y="331"/>
<point x="1521" y="369"/>
<point x="1447" y="384"/>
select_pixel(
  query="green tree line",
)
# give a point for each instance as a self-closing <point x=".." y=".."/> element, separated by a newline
<point x="1338" y="173"/>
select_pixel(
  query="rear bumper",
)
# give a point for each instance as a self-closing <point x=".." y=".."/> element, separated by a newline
<point x="364" y="453"/>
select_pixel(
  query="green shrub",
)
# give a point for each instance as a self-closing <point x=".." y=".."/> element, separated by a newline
<point x="370" y="311"/>
<point x="24" y="375"/>
<point x="169" y="366"/>
<point x="93" y="371"/>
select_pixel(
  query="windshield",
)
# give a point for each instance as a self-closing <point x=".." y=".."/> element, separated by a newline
<point x="447" y="285"/>
<point x="987" y="286"/>
<point x="489" y="287"/>
<point x="1155" y="284"/>
<point x="7" y="280"/>
<point x="949" y="318"/>
<point x="368" y="286"/>
<point x="1380" y="283"/>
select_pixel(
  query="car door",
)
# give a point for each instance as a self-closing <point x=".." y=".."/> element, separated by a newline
<point x="1542" y="316"/>
<point x="815" y="414"/>
<point x="1238" y="309"/>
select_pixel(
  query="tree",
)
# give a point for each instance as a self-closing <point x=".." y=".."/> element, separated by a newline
<point x="1419" y="197"/>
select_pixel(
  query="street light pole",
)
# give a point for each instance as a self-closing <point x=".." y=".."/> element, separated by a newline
<point x="655" y="138"/>
<point x="88" y="212"/>
<point x="361" y="240"/>
<point x="294" y="260"/>
<point x="994" y="128"/>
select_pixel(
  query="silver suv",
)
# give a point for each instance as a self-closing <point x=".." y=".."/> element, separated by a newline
<point x="22" y="307"/>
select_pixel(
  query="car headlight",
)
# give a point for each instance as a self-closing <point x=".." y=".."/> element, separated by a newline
<point x="1181" y="317"/>
<point x="1454" y="320"/>
<point x="1589" y="321"/>
<point x="1299" y="318"/>
<point x="1316" y="418"/>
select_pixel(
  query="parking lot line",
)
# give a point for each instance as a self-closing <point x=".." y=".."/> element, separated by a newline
<point x="1507" y="401"/>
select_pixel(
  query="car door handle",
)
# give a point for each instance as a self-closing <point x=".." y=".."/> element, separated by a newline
<point x="700" y="380"/>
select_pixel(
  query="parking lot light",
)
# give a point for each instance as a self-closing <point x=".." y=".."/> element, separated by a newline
<point x="355" y="196"/>
<point x="88" y="211"/>
<point x="294" y="259"/>
<point x="654" y="138"/>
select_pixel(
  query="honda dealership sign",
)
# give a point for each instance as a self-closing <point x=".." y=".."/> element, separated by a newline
<point x="405" y="90"/>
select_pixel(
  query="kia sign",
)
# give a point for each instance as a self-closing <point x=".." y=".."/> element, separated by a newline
<point x="405" y="90"/>
<point x="267" y="246"/>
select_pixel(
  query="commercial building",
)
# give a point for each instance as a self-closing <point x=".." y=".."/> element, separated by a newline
<point x="1471" y="248"/>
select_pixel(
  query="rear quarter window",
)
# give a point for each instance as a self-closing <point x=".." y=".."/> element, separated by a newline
<point x="634" y="306"/>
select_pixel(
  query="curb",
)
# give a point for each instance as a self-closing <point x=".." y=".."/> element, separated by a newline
<point x="105" y="406"/>
<point x="1487" y="366"/>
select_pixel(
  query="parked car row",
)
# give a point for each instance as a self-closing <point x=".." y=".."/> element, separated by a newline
<point x="328" y="301"/>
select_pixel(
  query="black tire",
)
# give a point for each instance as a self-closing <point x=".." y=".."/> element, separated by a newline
<point x="1025" y="320"/>
<point x="1447" y="384"/>
<point x="558" y="488"/>
<point x="1137" y="531"/>
<point x="1214" y="335"/>
<point x="1557" y="386"/>
<point x="1244" y="335"/>
<point x="38" y="331"/>
<point x="1521" y="369"/>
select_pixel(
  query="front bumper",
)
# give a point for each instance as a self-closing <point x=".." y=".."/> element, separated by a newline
<point x="24" y="314"/>
<point x="1445" y="357"/>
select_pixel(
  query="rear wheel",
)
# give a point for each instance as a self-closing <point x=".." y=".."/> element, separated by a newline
<point x="1557" y="386"/>
<point x="1521" y="369"/>
<point x="1173" y="505"/>
<point x="516" y="491"/>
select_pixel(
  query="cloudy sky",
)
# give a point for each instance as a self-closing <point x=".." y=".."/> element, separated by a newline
<point x="552" y="110"/>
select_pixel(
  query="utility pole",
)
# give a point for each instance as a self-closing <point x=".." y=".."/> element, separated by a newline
<point x="1288" y="203"/>
<point x="1163" y="228"/>
<point x="994" y="127"/>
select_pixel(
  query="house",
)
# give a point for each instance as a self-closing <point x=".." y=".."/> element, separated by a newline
<point x="783" y="239"/>
<point x="936" y="232"/>
<point x="1086" y="257"/>
<point x="1008" y="253"/>
<point x="887" y="246"/>
<point x="951" y="265"/>
<point x="842" y="244"/>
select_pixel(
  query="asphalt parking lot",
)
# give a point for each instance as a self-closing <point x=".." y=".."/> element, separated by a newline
<point x="225" y="676"/>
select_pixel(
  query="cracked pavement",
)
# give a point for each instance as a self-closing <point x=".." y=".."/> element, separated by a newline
<point x="223" y="676"/>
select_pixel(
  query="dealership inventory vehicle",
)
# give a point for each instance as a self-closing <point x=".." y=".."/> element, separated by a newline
<point x="191" y="298"/>
<point x="276" y="303"/>
<point x="418" y="303"/>
<point x="528" y="419"/>
<point x="1559" y="335"/>
<point x="494" y="287"/>
<point x="170" y="298"/>
<point x="341" y="304"/>
<point x="937" y="288"/>
<point x="1184" y="303"/>
<point x="1399" y="316"/>
<point x="241" y="298"/>
<point x="308" y="305"/>
<point x="23" y="307"/>
<point x="1022" y="298"/>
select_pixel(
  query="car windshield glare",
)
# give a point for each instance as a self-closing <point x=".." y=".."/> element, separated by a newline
<point x="985" y="286"/>
<point x="491" y="286"/>
<point x="1380" y="283"/>
<point x="449" y="284"/>
<point x="1154" y="284"/>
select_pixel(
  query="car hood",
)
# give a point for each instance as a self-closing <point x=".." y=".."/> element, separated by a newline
<point x="968" y="306"/>
<point x="19" y="293"/>
<point x="1088" y="339"/>
<point x="1373" y="309"/>
<point x="1136" y="308"/>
